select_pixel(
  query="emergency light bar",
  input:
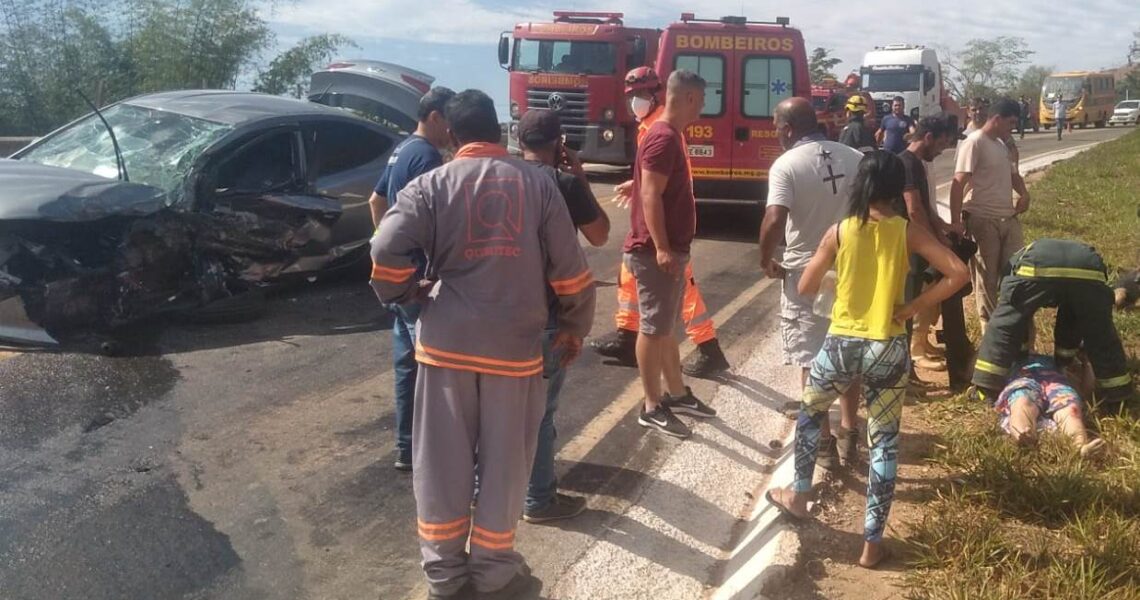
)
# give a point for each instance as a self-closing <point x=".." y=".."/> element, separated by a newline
<point x="569" y="15"/>
<point x="734" y="20"/>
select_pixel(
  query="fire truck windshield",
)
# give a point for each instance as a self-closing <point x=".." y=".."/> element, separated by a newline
<point x="892" y="81"/>
<point x="565" y="56"/>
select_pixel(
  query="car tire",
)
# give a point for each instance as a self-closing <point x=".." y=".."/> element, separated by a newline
<point x="240" y="308"/>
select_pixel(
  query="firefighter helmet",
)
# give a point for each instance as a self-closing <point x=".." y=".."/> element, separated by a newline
<point x="642" y="79"/>
<point x="857" y="104"/>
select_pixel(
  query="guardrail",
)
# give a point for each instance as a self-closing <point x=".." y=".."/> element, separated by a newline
<point x="8" y="145"/>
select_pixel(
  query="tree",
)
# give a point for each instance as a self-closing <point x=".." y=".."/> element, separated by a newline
<point x="1129" y="85"/>
<point x="1134" y="49"/>
<point x="289" y="72"/>
<point x="821" y="64"/>
<point x="986" y="68"/>
<point x="53" y="50"/>
<point x="1029" y="85"/>
<point x="193" y="43"/>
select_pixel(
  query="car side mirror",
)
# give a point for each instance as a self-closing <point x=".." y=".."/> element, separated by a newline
<point x="504" y="50"/>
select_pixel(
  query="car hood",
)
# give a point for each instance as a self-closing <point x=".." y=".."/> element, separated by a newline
<point x="34" y="192"/>
<point x="380" y="91"/>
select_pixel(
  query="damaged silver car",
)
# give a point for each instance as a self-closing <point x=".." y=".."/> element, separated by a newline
<point x="198" y="196"/>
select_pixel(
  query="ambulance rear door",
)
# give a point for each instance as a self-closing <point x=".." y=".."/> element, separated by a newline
<point x="710" y="138"/>
<point x="764" y="79"/>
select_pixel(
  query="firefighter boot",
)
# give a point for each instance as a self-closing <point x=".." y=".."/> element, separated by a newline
<point x="709" y="361"/>
<point x="621" y="345"/>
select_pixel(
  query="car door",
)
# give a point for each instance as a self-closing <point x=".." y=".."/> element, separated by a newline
<point x="266" y="161"/>
<point x="345" y="160"/>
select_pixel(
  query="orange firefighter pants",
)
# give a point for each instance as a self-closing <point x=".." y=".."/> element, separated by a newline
<point x="698" y="323"/>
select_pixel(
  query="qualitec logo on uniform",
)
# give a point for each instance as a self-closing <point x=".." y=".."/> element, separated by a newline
<point x="494" y="216"/>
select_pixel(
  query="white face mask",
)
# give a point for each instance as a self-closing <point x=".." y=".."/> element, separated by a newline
<point x="640" y="106"/>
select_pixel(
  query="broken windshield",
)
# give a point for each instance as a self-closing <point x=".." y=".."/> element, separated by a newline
<point x="159" y="148"/>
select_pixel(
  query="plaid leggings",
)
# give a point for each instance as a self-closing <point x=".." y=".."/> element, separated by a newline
<point x="885" y="367"/>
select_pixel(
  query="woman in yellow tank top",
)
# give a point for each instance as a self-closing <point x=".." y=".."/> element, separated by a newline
<point x="869" y="249"/>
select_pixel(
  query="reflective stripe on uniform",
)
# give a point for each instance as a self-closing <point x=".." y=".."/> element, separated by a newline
<point x="1112" y="382"/>
<point x="441" y="532"/>
<point x="392" y="275"/>
<point x="699" y="319"/>
<point x="1060" y="273"/>
<point x="478" y="364"/>
<point x="574" y="285"/>
<point x="990" y="368"/>
<point x="492" y="540"/>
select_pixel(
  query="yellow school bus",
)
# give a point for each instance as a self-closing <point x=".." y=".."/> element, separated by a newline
<point x="1088" y="98"/>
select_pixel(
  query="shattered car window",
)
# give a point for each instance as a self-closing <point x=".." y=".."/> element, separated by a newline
<point x="265" y="166"/>
<point x="158" y="147"/>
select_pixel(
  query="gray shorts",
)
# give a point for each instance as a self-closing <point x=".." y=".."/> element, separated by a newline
<point x="803" y="331"/>
<point x="659" y="295"/>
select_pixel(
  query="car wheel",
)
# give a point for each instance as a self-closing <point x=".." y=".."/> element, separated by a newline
<point x="240" y="308"/>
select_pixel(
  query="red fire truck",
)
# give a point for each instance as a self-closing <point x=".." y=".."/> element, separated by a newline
<point x="749" y="67"/>
<point x="575" y="66"/>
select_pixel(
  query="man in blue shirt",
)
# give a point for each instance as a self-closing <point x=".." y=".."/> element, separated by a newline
<point x="416" y="155"/>
<point x="895" y="127"/>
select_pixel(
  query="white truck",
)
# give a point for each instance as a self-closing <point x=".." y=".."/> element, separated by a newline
<point x="910" y="71"/>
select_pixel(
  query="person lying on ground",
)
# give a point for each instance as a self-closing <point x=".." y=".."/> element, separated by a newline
<point x="1042" y="397"/>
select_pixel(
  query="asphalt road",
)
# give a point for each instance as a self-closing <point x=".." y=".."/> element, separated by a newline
<point x="254" y="461"/>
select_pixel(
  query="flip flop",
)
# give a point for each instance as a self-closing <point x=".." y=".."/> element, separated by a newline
<point x="884" y="557"/>
<point x="781" y="508"/>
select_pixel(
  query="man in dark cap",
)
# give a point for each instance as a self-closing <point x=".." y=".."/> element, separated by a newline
<point x="540" y="137"/>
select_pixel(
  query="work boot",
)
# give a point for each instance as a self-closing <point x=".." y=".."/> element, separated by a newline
<point x="524" y="586"/>
<point x="847" y="444"/>
<point x="708" y="361"/>
<point x="620" y="345"/>
<point x="959" y="381"/>
<point x="828" y="456"/>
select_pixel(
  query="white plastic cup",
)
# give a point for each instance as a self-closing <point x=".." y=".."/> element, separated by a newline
<point x="825" y="299"/>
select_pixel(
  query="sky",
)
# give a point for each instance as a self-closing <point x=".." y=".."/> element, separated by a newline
<point x="456" y="40"/>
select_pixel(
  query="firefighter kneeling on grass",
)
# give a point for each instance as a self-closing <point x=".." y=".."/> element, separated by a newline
<point x="643" y="88"/>
<point x="497" y="235"/>
<point x="1070" y="276"/>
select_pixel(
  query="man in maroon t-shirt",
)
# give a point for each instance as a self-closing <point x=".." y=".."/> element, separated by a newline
<point x="663" y="221"/>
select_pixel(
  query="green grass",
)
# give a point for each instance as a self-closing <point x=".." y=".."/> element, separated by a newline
<point x="1015" y="523"/>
